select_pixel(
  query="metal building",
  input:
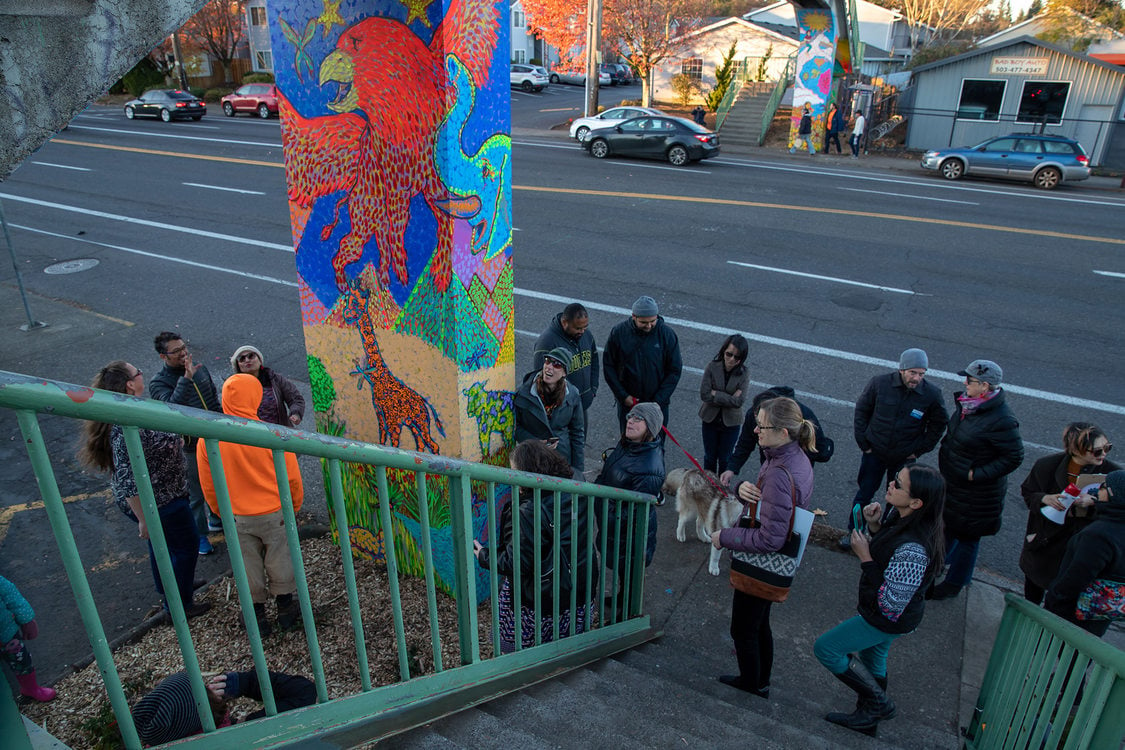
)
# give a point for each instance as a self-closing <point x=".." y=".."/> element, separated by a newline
<point x="1019" y="85"/>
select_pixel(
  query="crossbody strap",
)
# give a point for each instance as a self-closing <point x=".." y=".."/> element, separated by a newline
<point x="792" y="495"/>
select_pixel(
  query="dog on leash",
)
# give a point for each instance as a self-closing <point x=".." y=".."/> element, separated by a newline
<point x="699" y="499"/>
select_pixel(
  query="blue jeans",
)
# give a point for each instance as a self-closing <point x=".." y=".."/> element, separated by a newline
<point x="183" y="548"/>
<point x="874" y="475"/>
<point x="961" y="559"/>
<point x="718" y="443"/>
<point x="854" y="636"/>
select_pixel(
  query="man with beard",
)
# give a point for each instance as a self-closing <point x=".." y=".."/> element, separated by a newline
<point x="570" y="330"/>
<point x="642" y="361"/>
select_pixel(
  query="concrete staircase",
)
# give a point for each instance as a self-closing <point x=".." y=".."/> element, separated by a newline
<point x="665" y="693"/>
<point x="59" y="55"/>
<point x="742" y="128"/>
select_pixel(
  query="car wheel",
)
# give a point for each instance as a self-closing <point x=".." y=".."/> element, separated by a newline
<point x="197" y="118"/>
<point x="165" y="115"/>
<point x="952" y="169"/>
<point x="677" y="156"/>
<point x="263" y="111"/>
<point x="1048" y="178"/>
<point x="581" y="133"/>
<point x="129" y="113"/>
<point x="228" y="109"/>
<point x="599" y="149"/>
<point x="554" y="78"/>
<point x="526" y="86"/>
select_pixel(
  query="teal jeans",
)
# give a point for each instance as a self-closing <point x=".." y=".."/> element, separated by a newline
<point x="854" y="636"/>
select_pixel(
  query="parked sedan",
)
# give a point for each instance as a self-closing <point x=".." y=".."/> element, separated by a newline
<point x="167" y="104"/>
<point x="577" y="76"/>
<point x="255" y="98"/>
<point x="673" y="138"/>
<point x="581" y="127"/>
<point x="1044" y="160"/>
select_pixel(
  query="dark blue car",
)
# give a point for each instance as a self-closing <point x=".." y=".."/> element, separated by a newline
<point x="1044" y="160"/>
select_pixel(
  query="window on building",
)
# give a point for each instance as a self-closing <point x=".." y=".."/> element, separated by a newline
<point x="517" y="19"/>
<point x="981" y="100"/>
<point x="520" y="56"/>
<point x="257" y="16"/>
<point x="263" y="60"/>
<point x="692" y="66"/>
<point x="1043" y="101"/>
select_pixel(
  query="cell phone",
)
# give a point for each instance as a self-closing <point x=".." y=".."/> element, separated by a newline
<point x="857" y="518"/>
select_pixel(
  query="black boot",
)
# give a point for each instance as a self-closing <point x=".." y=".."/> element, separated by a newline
<point x="882" y="682"/>
<point x="288" y="612"/>
<point x="264" y="627"/>
<point x="944" y="590"/>
<point x="748" y="670"/>
<point x="874" y="705"/>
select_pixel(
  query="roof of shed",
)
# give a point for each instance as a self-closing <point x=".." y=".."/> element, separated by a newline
<point x="1012" y="43"/>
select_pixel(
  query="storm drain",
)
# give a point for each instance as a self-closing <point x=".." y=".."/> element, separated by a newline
<point x="71" y="266"/>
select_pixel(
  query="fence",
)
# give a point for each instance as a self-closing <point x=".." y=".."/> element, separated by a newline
<point x="375" y="711"/>
<point x="1049" y="684"/>
<point x="775" y="98"/>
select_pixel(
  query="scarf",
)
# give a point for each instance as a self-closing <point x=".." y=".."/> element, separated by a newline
<point x="970" y="404"/>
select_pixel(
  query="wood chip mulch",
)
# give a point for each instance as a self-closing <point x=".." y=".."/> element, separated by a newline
<point x="222" y="644"/>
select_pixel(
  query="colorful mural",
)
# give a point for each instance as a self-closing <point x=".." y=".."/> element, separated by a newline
<point x="815" y="59"/>
<point x="395" y="123"/>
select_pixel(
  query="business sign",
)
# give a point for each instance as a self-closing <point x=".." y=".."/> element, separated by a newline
<point x="1019" y="66"/>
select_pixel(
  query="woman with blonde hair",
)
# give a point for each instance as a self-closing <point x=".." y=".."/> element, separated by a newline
<point x="103" y="449"/>
<point x="785" y="481"/>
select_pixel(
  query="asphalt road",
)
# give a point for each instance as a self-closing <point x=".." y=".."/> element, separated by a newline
<point x="830" y="267"/>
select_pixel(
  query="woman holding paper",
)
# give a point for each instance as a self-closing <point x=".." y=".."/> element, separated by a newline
<point x="785" y="480"/>
<point x="903" y="555"/>
<point x="1085" y="449"/>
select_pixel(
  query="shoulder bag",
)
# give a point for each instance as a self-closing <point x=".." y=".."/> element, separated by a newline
<point x="767" y="575"/>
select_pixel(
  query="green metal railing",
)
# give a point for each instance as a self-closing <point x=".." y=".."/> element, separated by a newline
<point x="1049" y="684"/>
<point x="375" y="711"/>
<point x="775" y="97"/>
<point x="727" y="101"/>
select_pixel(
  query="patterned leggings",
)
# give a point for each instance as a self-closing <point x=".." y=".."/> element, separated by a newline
<point x="527" y="622"/>
<point x="18" y="657"/>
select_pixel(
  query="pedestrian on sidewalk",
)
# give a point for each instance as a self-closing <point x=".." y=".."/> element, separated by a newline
<point x="859" y="124"/>
<point x="981" y="447"/>
<point x="901" y="558"/>
<point x="282" y="403"/>
<point x="182" y="381"/>
<point x="898" y="418"/>
<point x="804" y="132"/>
<point x="1085" y="449"/>
<point x="548" y="408"/>
<point x="723" y="390"/>
<point x="748" y="437"/>
<point x="104" y="449"/>
<point x="642" y="361"/>
<point x="1096" y="552"/>
<point x="832" y="132"/>
<point x="699" y="115"/>
<point x="17" y="624"/>
<point x="256" y="505"/>
<point x="570" y="330"/>
<point x="786" y="477"/>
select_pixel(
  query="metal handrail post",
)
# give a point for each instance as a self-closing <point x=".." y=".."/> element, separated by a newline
<point x="336" y="490"/>
<point x="428" y="564"/>
<point x="390" y="557"/>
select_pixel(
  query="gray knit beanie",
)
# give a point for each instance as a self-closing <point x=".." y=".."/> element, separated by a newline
<point x="645" y="307"/>
<point x="242" y="350"/>
<point x="913" y="359"/>
<point x="651" y="414"/>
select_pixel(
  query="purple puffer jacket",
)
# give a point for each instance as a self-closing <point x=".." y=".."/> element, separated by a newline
<point x="777" y="500"/>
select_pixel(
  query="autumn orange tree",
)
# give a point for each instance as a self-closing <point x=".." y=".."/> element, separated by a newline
<point x="561" y="24"/>
<point x="218" y="29"/>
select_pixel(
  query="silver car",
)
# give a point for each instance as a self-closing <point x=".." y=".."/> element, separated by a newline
<point x="577" y="76"/>
<point x="582" y="126"/>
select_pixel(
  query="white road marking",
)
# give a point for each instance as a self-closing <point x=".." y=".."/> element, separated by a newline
<point x="681" y="170"/>
<point x="799" y="346"/>
<point x="1114" y="274"/>
<point x="61" y="166"/>
<point x="229" y="190"/>
<point x="154" y="224"/>
<point x="560" y="109"/>
<point x="177" y="137"/>
<point x="569" y="146"/>
<point x="916" y="197"/>
<point x="824" y="351"/>
<point x="158" y="256"/>
<point x="833" y="279"/>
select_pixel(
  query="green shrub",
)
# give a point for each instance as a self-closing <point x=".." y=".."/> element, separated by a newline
<point x="197" y="91"/>
<point x="214" y="95"/>
<point x="685" y="88"/>
<point x="257" y="78"/>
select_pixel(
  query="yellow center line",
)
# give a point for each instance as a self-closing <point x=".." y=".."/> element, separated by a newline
<point x="8" y="513"/>
<point x="832" y="211"/>
<point x="677" y="198"/>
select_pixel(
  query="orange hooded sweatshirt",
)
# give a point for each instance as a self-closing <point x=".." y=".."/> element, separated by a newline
<point x="251" y="478"/>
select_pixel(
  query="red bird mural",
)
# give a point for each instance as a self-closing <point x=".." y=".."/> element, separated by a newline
<point x="384" y="158"/>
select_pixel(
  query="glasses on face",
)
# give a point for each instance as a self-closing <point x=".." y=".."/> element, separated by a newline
<point x="633" y="418"/>
<point x="972" y="381"/>
<point x="767" y="427"/>
<point x="246" y="357"/>
<point x="730" y="355"/>
<point x="554" y="364"/>
<point x="137" y="375"/>
<point x="1099" y="452"/>
<point x="177" y="351"/>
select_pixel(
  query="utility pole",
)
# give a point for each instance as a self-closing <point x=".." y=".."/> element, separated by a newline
<point x="179" y="60"/>
<point x="593" y="54"/>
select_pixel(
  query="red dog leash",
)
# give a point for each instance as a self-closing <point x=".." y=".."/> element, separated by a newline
<point x="691" y="458"/>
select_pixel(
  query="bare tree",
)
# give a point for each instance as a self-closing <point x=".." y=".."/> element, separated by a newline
<point x="938" y="21"/>
<point x="218" y="29"/>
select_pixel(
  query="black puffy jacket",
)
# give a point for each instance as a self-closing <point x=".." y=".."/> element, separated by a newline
<point x="893" y="421"/>
<point x="638" y="467"/>
<point x="644" y="365"/>
<point x="1098" y="551"/>
<point x="988" y="443"/>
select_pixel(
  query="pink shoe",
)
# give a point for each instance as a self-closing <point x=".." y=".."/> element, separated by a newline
<point x="30" y="687"/>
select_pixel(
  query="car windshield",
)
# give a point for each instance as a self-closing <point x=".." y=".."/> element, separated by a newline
<point x="180" y="95"/>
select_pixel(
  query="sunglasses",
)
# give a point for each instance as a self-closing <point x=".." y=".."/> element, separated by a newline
<point x="139" y="373"/>
<point x="1099" y="452"/>
<point x="246" y="357"/>
<point x="555" y="363"/>
<point x="730" y="355"/>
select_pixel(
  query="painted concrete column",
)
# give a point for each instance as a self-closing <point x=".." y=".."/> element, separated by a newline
<point x="813" y="79"/>
<point x="395" y="122"/>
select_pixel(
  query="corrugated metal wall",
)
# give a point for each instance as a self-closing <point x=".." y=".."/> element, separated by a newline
<point x="938" y="91"/>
